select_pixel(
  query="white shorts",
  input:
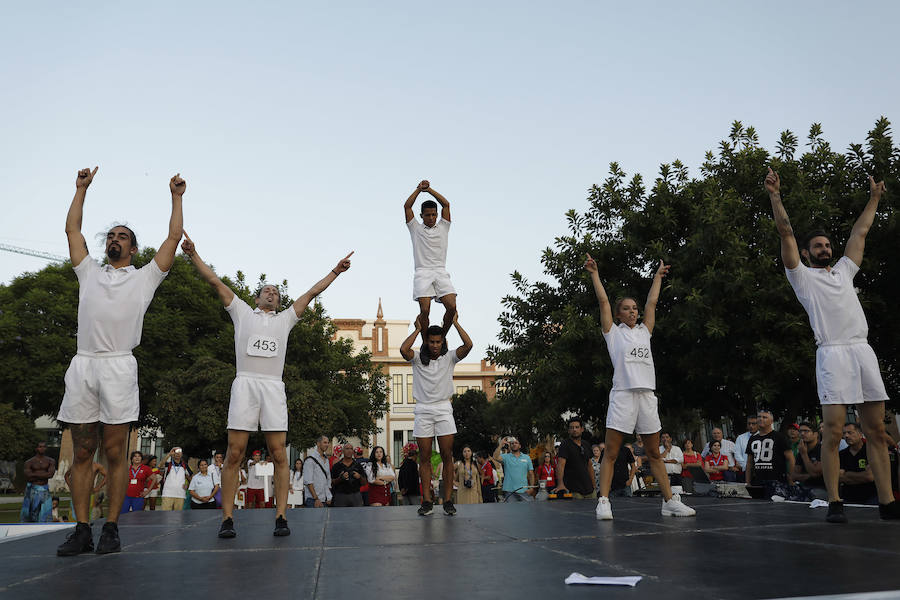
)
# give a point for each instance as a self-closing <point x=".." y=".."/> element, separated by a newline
<point x="633" y="411"/>
<point x="101" y="387"/>
<point x="257" y="402"/>
<point x="428" y="424"/>
<point x="432" y="283"/>
<point x="848" y="374"/>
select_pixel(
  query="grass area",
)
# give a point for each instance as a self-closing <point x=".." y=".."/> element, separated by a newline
<point x="10" y="512"/>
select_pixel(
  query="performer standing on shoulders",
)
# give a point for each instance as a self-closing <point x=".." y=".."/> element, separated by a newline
<point x="632" y="403"/>
<point x="258" y="400"/>
<point x="101" y="381"/>
<point x="846" y="366"/>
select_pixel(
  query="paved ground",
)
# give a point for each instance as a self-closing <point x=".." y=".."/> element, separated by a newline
<point x="733" y="549"/>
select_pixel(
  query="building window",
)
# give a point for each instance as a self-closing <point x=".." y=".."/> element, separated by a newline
<point x="409" y="393"/>
<point x="398" y="389"/>
<point x="462" y="389"/>
<point x="398" y="448"/>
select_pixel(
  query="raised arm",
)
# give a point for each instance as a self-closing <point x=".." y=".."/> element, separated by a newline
<point x="406" y="350"/>
<point x="466" y="347"/>
<point x="303" y="301"/>
<point x="206" y="273"/>
<point x="165" y="256"/>
<point x="77" y="246"/>
<point x="653" y="296"/>
<point x="408" y="205"/>
<point x="445" y="204"/>
<point x="790" y="256"/>
<point x="857" y="242"/>
<point x="606" y="319"/>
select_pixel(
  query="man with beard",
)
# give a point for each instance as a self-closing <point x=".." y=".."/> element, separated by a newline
<point x="432" y="388"/>
<point x="101" y="381"/>
<point x="258" y="400"/>
<point x="846" y="366"/>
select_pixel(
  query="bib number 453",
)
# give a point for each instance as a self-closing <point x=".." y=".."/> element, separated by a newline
<point x="258" y="345"/>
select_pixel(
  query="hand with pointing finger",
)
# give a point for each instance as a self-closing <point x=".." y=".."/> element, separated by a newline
<point x="187" y="245"/>
<point x="663" y="269"/>
<point x="85" y="177"/>
<point x="875" y="189"/>
<point x="177" y="185"/>
<point x="773" y="182"/>
<point x="344" y="263"/>
<point x="590" y="264"/>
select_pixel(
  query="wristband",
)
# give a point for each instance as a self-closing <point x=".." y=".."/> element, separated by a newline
<point x="335" y="272"/>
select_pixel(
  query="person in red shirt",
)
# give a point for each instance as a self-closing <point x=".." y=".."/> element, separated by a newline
<point x="137" y="484"/>
<point x="488" y="477"/>
<point x="715" y="464"/>
<point x="547" y="471"/>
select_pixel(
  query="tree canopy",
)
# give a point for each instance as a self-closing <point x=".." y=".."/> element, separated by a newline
<point x="730" y="335"/>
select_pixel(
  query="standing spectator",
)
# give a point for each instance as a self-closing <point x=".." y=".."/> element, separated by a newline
<point x="297" y="476"/>
<point x="574" y="470"/>
<point x="335" y="455"/>
<point x="488" y="477"/>
<point x="690" y="457"/>
<point x="596" y="461"/>
<point x="740" y="444"/>
<point x="857" y="481"/>
<point x="177" y="477"/>
<point x="624" y="470"/>
<point x="673" y="458"/>
<point x="379" y="474"/>
<point x="408" y="480"/>
<point x="546" y="473"/>
<point x="347" y="476"/>
<point x="808" y="469"/>
<point x="216" y="469"/>
<point x="203" y="487"/>
<point x="364" y="488"/>
<point x="255" y="496"/>
<point x="98" y="480"/>
<point x="54" y="511"/>
<point x="715" y="463"/>
<point x="517" y="468"/>
<point x="317" y="475"/>
<point x="154" y="481"/>
<point x="37" y="505"/>
<point x="468" y="479"/>
<point x="769" y="457"/>
<point x="136" y="491"/>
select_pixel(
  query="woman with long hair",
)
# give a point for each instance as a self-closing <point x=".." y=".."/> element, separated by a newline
<point x="153" y="482"/>
<point x="468" y="479"/>
<point x="380" y="474"/>
<point x="547" y="471"/>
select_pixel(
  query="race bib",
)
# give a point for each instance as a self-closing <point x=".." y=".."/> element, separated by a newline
<point x="259" y="345"/>
<point x="639" y="354"/>
<point x="134" y="482"/>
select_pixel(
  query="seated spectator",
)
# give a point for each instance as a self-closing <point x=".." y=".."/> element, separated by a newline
<point x="715" y="463"/>
<point x="203" y="488"/>
<point x="641" y="463"/>
<point x="689" y="457"/>
<point x="54" y="510"/>
<point x="624" y="470"/>
<point x="347" y="476"/>
<point x="379" y="474"/>
<point x="857" y="481"/>
<point x="410" y="491"/>
<point x="808" y="469"/>
<point x="793" y="433"/>
<point x="546" y="473"/>
<point x="596" y="459"/>
<point x="488" y="477"/>
<point x="726" y="448"/>
<point x="673" y="458"/>
<point x="467" y="479"/>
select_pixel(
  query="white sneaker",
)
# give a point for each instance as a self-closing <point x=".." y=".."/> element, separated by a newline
<point x="675" y="508"/>
<point x="604" y="510"/>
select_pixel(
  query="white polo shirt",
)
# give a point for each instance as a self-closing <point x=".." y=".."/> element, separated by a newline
<point x="260" y="338"/>
<point x="174" y="484"/>
<point x="429" y="243"/>
<point x="629" y="350"/>
<point x="433" y="383"/>
<point x="112" y="303"/>
<point x="202" y="484"/>
<point x="830" y="300"/>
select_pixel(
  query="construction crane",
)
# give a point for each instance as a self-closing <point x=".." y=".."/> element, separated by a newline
<point x="29" y="252"/>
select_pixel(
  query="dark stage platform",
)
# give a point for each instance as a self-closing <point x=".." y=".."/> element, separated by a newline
<point x="733" y="549"/>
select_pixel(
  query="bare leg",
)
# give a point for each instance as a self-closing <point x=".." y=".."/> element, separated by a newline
<point x="275" y="441"/>
<point x="115" y="438"/>
<point x="445" y="445"/>
<point x="237" y="445"/>
<point x="424" y="310"/>
<point x="85" y="438"/>
<point x="613" y="442"/>
<point x="449" y="302"/>
<point x="872" y="417"/>
<point x="657" y="466"/>
<point x="425" y="467"/>
<point x="834" y="416"/>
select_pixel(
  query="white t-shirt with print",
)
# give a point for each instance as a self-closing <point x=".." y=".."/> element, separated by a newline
<point x="429" y="243"/>
<point x="629" y="350"/>
<point x="260" y="338"/>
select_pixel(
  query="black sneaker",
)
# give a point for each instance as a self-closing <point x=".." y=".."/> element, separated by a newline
<point x="449" y="509"/>
<point x="836" y="513"/>
<point x="281" y="528"/>
<point x="227" y="529"/>
<point x="889" y="511"/>
<point x="78" y="541"/>
<point x="109" y="539"/>
<point x="426" y="509"/>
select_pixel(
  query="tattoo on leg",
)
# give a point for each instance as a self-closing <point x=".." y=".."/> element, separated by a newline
<point x="85" y="436"/>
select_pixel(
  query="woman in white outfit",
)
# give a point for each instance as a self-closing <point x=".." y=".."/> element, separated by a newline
<point x="632" y="403"/>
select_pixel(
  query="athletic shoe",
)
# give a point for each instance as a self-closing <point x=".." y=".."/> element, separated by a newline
<point x="836" y="513"/>
<point x="227" y="529"/>
<point x="281" y="528"/>
<point x="674" y="507"/>
<point x="449" y="509"/>
<point x="426" y="509"/>
<point x="889" y="511"/>
<point x="109" y="539"/>
<point x="604" y="510"/>
<point x="78" y="541"/>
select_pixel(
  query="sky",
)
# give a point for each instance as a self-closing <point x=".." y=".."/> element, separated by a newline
<point x="301" y="128"/>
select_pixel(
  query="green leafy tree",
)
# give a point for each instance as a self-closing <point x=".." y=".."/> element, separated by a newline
<point x="730" y="334"/>
<point x="18" y="437"/>
<point x="475" y="422"/>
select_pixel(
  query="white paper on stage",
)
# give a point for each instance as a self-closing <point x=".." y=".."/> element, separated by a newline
<point x="265" y="470"/>
<point x="579" y="578"/>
